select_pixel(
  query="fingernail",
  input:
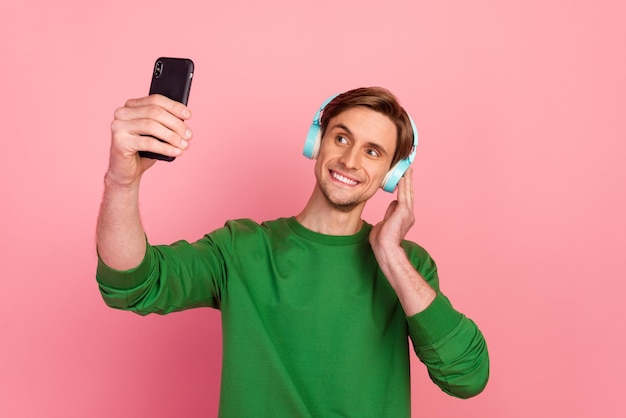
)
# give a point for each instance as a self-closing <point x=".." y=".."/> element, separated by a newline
<point x="188" y="133"/>
<point x="184" y="143"/>
<point x="186" y="113"/>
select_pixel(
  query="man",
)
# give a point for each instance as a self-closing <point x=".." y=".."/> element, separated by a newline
<point x="316" y="308"/>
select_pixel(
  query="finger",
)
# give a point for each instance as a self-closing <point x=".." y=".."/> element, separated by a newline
<point x="407" y="189"/>
<point x="155" y="113"/>
<point x="390" y="209"/>
<point x="148" y="143"/>
<point x="141" y="134"/>
<point x="403" y="197"/>
<point x="172" y="106"/>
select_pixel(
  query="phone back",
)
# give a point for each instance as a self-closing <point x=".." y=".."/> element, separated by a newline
<point x="172" y="78"/>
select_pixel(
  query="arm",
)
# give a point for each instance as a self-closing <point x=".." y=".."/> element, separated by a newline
<point x="120" y="237"/>
<point x="414" y="293"/>
<point x="448" y="343"/>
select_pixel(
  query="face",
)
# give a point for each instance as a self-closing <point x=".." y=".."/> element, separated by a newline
<point x="355" y="155"/>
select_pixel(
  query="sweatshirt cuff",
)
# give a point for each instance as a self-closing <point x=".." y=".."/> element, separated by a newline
<point x="123" y="279"/>
<point x="434" y="323"/>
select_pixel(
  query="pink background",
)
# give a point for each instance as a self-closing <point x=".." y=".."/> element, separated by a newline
<point x="519" y="183"/>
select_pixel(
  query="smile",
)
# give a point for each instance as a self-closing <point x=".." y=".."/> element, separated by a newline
<point x="344" y="180"/>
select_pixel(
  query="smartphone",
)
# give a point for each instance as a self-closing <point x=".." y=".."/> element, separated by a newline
<point x="171" y="77"/>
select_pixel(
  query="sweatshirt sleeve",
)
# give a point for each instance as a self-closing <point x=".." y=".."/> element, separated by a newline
<point x="170" y="278"/>
<point x="450" y="344"/>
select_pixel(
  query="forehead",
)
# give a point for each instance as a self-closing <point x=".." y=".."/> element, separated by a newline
<point x="366" y="125"/>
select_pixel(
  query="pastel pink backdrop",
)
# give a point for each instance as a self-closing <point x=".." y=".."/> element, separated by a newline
<point x="519" y="181"/>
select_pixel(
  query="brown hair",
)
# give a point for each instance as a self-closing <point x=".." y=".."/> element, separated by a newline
<point x="380" y="100"/>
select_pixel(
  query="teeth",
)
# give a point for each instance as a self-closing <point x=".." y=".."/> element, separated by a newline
<point x="344" y="179"/>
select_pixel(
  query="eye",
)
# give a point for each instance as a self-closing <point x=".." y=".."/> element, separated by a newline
<point x="342" y="140"/>
<point x="372" y="153"/>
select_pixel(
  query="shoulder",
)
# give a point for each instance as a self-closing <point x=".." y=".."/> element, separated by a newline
<point x="242" y="235"/>
<point x="245" y="227"/>
<point x="420" y="258"/>
<point x="414" y="250"/>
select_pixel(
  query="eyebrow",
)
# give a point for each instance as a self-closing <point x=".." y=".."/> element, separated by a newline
<point x="371" y="144"/>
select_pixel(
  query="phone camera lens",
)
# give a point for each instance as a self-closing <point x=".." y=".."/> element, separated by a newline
<point x="158" y="69"/>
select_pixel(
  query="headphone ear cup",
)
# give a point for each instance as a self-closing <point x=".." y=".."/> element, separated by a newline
<point x="314" y="137"/>
<point x="394" y="175"/>
<point x="312" y="144"/>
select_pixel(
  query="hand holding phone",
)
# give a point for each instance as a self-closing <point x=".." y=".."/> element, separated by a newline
<point x="171" y="78"/>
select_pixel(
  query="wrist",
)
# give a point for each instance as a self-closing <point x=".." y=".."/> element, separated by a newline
<point x="389" y="253"/>
<point x="114" y="182"/>
<point x="414" y="293"/>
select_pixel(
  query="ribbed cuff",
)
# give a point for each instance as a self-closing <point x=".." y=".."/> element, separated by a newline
<point x="434" y="323"/>
<point x="123" y="279"/>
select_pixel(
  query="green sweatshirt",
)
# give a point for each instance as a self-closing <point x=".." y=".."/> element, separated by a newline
<point x="311" y="327"/>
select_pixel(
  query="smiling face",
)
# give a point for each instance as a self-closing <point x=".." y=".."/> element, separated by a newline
<point x="355" y="154"/>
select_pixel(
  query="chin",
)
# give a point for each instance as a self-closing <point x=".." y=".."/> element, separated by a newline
<point x="342" y="200"/>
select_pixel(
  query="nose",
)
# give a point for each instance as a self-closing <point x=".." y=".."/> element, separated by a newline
<point x="351" y="158"/>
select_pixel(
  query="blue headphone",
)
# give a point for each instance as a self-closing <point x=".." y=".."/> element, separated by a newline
<point x="314" y="138"/>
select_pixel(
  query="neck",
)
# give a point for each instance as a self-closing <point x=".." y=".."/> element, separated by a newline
<point x="320" y="216"/>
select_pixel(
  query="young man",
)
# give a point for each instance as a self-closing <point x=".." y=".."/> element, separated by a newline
<point x="317" y="308"/>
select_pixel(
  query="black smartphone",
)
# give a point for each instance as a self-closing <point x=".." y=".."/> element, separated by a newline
<point x="171" y="77"/>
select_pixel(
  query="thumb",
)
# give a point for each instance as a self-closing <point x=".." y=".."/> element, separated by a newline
<point x="391" y="209"/>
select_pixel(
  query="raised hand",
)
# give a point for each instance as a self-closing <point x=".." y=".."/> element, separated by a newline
<point x="134" y="129"/>
<point x="399" y="217"/>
